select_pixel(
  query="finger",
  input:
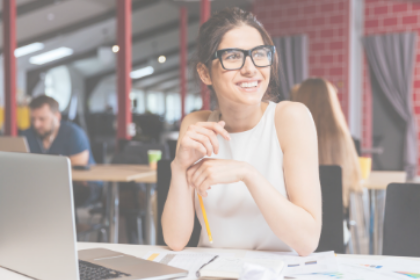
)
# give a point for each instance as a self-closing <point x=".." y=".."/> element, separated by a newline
<point x="201" y="175"/>
<point x="191" y="171"/>
<point x="204" y="140"/>
<point x="203" y="188"/>
<point x="199" y="147"/>
<point x="216" y="127"/>
<point x="212" y="137"/>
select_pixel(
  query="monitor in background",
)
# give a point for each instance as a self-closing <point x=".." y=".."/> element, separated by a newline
<point x="13" y="144"/>
<point x="37" y="230"/>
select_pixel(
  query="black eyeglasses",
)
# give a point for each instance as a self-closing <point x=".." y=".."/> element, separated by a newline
<point x="234" y="59"/>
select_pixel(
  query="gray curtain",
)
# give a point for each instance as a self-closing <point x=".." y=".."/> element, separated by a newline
<point x="391" y="59"/>
<point x="293" y="61"/>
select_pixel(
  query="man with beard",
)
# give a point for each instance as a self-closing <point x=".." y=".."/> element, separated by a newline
<point x="50" y="135"/>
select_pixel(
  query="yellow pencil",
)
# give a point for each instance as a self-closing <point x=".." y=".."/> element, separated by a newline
<point x="205" y="218"/>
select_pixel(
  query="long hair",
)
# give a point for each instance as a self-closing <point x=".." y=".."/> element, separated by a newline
<point x="335" y="144"/>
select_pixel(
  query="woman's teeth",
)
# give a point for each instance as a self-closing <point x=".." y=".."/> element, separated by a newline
<point x="248" y="85"/>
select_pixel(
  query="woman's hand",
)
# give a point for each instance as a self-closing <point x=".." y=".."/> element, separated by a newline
<point x="199" y="140"/>
<point x="210" y="172"/>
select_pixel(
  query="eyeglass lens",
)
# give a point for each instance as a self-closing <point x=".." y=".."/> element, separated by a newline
<point x="233" y="59"/>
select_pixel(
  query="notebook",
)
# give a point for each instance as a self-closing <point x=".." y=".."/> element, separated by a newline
<point x="230" y="268"/>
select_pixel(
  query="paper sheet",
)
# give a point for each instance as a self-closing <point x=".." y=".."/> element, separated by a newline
<point x="317" y="262"/>
<point x="368" y="269"/>
<point x="184" y="260"/>
<point x="389" y="268"/>
<point x="232" y="264"/>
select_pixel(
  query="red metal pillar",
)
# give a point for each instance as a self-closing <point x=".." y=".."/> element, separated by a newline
<point x="183" y="56"/>
<point x="124" y="69"/>
<point x="205" y="15"/>
<point x="9" y="46"/>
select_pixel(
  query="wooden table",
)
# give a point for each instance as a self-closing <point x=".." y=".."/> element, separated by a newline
<point x="141" y="250"/>
<point x="114" y="173"/>
<point x="377" y="184"/>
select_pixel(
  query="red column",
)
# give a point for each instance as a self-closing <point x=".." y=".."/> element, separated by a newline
<point x="9" y="46"/>
<point x="183" y="56"/>
<point x="124" y="68"/>
<point x="205" y="15"/>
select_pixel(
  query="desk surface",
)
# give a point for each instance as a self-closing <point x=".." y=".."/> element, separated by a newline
<point x="141" y="250"/>
<point x="379" y="180"/>
<point x="116" y="173"/>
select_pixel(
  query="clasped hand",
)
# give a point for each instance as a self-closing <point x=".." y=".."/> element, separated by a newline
<point x="201" y="140"/>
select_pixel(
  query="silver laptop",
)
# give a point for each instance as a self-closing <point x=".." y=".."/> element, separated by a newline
<point x="37" y="230"/>
<point x="13" y="144"/>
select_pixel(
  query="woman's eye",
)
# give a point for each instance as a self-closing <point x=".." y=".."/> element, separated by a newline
<point x="232" y="56"/>
<point x="260" y="54"/>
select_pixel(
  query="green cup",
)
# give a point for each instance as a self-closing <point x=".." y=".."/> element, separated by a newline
<point x="154" y="157"/>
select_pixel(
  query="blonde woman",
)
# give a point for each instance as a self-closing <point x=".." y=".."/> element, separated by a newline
<point x="335" y="144"/>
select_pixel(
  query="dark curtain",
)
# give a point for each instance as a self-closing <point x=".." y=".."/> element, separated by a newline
<point x="293" y="61"/>
<point x="391" y="59"/>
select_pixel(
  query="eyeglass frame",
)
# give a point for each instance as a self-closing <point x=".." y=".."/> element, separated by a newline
<point x="217" y="55"/>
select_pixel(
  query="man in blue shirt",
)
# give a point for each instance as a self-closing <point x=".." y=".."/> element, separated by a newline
<point x="50" y="135"/>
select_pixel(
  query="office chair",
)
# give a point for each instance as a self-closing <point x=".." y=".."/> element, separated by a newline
<point x="132" y="195"/>
<point x="402" y="220"/>
<point x="332" y="209"/>
<point x="163" y="182"/>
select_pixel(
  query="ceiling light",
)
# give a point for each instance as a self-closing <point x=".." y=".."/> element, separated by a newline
<point x="142" y="72"/>
<point x="51" y="56"/>
<point x="34" y="47"/>
<point x="162" y="59"/>
<point x="115" y="48"/>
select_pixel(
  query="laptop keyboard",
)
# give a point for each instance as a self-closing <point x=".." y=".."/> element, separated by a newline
<point x="90" y="271"/>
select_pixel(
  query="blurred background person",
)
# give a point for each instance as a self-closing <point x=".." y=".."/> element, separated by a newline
<point x="49" y="134"/>
<point x="335" y="144"/>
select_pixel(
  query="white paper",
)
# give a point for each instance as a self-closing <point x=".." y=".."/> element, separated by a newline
<point x="383" y="269"/>
<point x="184" y="260"/>
<point x="294" y="264"/>
<point x="235" y="265"/>
<point x="253" y="271"/>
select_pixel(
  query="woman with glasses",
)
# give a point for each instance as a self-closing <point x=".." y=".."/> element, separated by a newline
<point x="254" y="162"/>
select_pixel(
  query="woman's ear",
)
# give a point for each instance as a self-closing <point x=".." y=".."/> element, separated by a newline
<point x="204" y="74"/>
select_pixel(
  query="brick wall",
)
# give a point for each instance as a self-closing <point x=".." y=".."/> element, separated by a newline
<point x="385" y="16"/>
<point x="326" y="22"/>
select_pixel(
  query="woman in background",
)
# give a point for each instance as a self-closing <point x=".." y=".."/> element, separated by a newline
<point x="335" y="144"/>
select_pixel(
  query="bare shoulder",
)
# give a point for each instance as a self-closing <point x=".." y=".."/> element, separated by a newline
<point x="292" y="113"/>
<point x="293" y="122"/>
<point x="195" y="117"/>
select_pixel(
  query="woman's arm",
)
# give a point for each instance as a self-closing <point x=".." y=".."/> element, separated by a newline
<point x="298" y="221"/>
<point x="197" y="138"/>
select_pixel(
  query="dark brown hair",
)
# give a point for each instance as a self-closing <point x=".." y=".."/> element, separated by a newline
<point x="212" y="32"/>
<point x="41" y="100"/>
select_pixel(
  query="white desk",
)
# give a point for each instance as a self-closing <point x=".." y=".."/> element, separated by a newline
<point x="141" y="250"/>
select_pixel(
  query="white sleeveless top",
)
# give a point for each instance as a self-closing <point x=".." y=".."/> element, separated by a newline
<point x="234" y="218"/>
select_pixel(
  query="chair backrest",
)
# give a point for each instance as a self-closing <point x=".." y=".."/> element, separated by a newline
<point x="401" y="236"/>
<point x="163" y="181"/>
<point x="332" y="209"/>
<point x="172" y="147"/>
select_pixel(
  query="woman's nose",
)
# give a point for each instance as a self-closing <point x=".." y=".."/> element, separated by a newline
<point x="249" y="67"/>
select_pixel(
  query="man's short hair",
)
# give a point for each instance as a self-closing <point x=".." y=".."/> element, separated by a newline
<point x="41" y="100"/>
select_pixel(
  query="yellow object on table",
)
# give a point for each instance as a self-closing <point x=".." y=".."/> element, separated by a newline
<point x="365" y="166"/>
<point x="205" y="217"/>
